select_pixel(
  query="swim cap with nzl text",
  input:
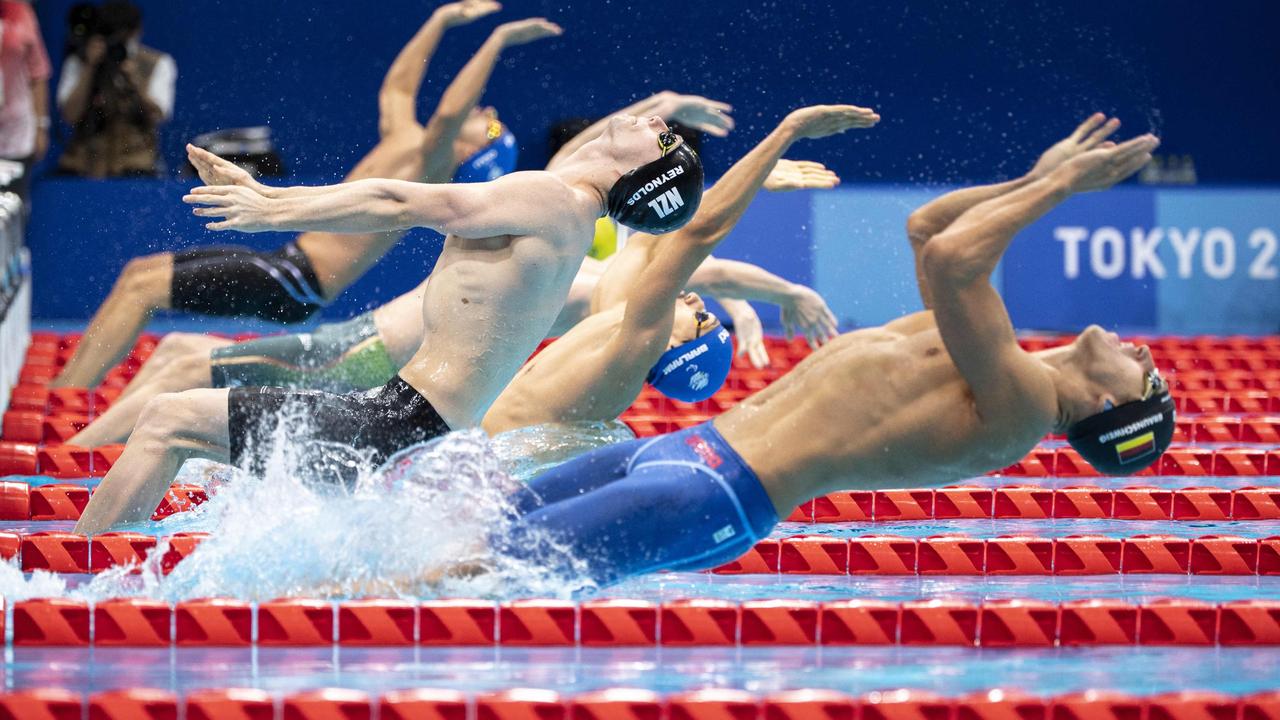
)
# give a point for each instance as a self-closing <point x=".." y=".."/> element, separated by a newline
<point x="660" y="196"/>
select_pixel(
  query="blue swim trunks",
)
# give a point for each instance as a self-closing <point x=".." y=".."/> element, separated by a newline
<point x="682" y="501"/>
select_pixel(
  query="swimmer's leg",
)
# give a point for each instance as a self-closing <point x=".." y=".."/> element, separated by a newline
<point x="174" y="347"/>
<point x="662" y="515"/>
<point x="188" y="372"/>
<point x="171" y="429"/>
<point x="578" y="476"/>
<point x="141" y="289"/>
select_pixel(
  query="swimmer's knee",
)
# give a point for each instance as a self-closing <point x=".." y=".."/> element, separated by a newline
<point x="165" y="417"/>
<point x="176" y="345"/>
<point x="189" y="370"/>
<point x="144" y="280"/>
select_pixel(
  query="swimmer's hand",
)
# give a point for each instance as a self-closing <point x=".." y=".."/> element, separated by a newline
<point x="747" y="331"/>
<point x="241" y="208"/>
<point x="1103" y="167"/>
<point x="708" y="116"/>
<point x="819" y="121"/>
<point x="460" y="13"/>
<point x="527" y="31"/>
<point x="214" y="170"/>
<point x="788" y="175"/>
<point x="1092" y="133"/>
<point x="804" y="312"/>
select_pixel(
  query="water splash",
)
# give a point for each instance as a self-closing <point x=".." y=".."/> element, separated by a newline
<point x="419" y="527"/>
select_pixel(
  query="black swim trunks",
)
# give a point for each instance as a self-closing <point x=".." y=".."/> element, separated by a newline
<point x="236" y="281"/>
<point x="340" y="433"/>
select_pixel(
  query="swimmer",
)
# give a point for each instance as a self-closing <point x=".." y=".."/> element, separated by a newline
<point x="366" y="351"/>
<point x="654" y="333"/>
<point x="290" y="284"/>
<point x="511" y="251"/>
<point x="933" y="397"/>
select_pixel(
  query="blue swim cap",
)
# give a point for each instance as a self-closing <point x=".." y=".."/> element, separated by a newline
<point x="491" y="163"/>
<point x="695" y="370"/>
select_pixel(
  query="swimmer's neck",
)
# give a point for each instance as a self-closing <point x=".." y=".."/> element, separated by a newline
<point x="1067" y="385"/>
<point x="590" y="169"/>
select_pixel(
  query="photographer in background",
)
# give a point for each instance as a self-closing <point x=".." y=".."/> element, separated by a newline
<point x="114" y="92"/>
<point x="24" y="91"/>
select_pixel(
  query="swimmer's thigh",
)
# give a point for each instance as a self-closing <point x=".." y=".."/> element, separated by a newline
<point x="659" y="516"/>
<point x="578" y="476"/>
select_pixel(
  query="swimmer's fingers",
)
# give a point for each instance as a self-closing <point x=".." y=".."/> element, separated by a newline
<point x="1099" y="135"/>
<point x="788" y="327"/>
<point x="709" y="116"/>
<point x="472" y="10"/>
<point x="758" y="354"/>
<point x="527" y="31"/>
<point x="820" y="121"/>
<point x="1091" y="123"/>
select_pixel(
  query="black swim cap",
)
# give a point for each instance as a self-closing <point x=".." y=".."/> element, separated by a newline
<point x="1126" y="439"/>
<point x="660" y="196"/>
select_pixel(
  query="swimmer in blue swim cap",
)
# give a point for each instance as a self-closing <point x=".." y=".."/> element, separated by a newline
<point x="291" y="284"/>
<point x="656" y="333"/>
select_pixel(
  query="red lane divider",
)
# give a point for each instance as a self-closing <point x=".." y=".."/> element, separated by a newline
<point x="302" y="622"/>
<point x="951" y="554"/>
<point x="635" y="704"/>
<point x="65" y="501"/>
<point x="973" y="502"/>
<point x="1010" y="555"/>
<point x="1180" y="460"/>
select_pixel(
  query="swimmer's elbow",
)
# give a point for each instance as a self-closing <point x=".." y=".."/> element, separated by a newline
<point x="919" y="228"/>
<point x="948" y="259"/>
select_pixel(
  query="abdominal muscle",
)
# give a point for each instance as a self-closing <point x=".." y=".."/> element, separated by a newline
<point x="871" y="409"/>
<point x="488" y="305"/>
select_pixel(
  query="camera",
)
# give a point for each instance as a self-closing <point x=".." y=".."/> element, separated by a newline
<point x="114" y="22"/>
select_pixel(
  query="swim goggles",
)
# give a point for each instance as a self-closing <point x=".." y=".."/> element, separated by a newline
<point x="494" y="128"/>
<point x="668" y="141"/>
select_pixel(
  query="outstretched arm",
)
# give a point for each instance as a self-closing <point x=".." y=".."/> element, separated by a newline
<point x="695" y="111"/>
<point x="516" y="204"/>
<point x="938" y="214"/>
<point x="399" y="92"/>
<point x="803" y="310"/>
<point x="973" y="321"/>
<point x="678" y="254"/>
<point x="465" y="91"/>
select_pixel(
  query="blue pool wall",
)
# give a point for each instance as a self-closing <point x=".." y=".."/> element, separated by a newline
<point x="1135" y="259"/>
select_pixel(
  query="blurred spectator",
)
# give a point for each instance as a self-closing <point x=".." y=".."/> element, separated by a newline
<point x="114" y="92"/>
<point x="24" y="90"/>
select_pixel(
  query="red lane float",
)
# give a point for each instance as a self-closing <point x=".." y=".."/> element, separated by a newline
<point x="138" y="622"/>
<point x="132" y="622"/>
<point x="950" y="554"/>
<point x="133" y="704"/>
<point x="636" y="704"/>
<point x="229" y="704"/>
<point x="377" y="622"/>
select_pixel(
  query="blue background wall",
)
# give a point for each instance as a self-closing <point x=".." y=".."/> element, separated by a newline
<point x="970" y="90"/>
<point x="967" y="88"/>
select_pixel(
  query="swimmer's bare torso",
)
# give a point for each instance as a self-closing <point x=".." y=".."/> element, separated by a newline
<point x="872" y="406"/>
<point x="489" y="303"/>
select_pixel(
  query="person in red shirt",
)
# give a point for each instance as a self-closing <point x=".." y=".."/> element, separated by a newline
<point x="24" y="89"/>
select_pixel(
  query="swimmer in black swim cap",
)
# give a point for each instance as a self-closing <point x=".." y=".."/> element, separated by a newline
<point x="663" y="194"/>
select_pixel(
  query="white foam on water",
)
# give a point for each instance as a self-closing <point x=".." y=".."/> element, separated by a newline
<point x="419" y="527"/>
